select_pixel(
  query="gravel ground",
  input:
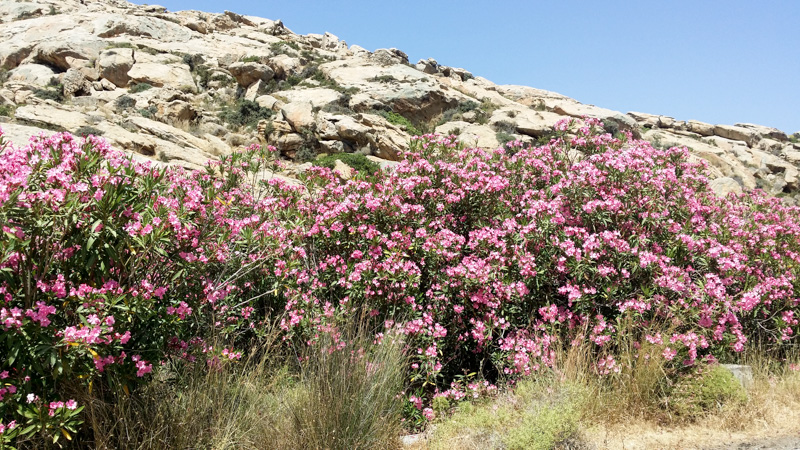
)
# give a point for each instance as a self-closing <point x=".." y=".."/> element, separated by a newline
<point x="777" y="443"/>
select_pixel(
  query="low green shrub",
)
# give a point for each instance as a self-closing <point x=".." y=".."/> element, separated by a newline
<point x="402" y="122"/>
<point x="704" y="390"/>
<point x="6" y="110"/>
<point x="504" y="137"/>
<point x="383" y="79"/>
<point x="140" y="87"/>
<point x="305" y="153"/>
<point x="283" y="47"/>
<point x="125" y="102"/>
<point x="54" y="92"/>
<point x="357" y="161"/>
<point x="457" y="112"/>
<point x="245" y="113"/>
<point x="542" y="413"/>
<point x="87" y="130"/>
<point x="149" y="112"/>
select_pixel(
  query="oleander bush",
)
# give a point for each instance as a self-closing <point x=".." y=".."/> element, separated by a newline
<point x="487" y="263"/>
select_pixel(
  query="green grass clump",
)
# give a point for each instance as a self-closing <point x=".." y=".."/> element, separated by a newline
<point x="542" y="413"/>
<point x="6" y="110"/>
<point x="356" y="161"/>
<point x="140" y="87"/>
<point x="149" y="112"/>
<point x="457" y="112"/>
<point x="705" y="390"/>
<point x="504" y="137"/>
<point x="284" y="46"/>
<point x="125" y="102"/>
<point x="54" y="92"/>
<point x="402" y="122"/>
<point x="245" y="113"/>
<point x="383" y="79"/>
<point x="87" y="130"/>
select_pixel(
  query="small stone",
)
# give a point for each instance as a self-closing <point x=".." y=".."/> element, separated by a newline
<point x="744" y="374"/>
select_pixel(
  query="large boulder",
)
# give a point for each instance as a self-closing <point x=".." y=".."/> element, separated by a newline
<point x="300" y="115"/>
<point x="701" y="128"/>
<point x="114" y="65"/>
<point x="32" y="74"/>
<point x="724" y="186"/>
<point x="13" y="53"/>
<point x="247" y="73"/>
<point x="317" y="97"/>
<point x="471" y="134"/>
<point x="109" y="26"/>
<point x="735" y="133"/>
<point x="51" y="116"/>
<point x="171" y="75"/>
<point x="74" y="49"/>
<point x="74" y="82"/>
<point x="609" y="117"/>
<point x="285" y="65"/>
<point x="767" y="132"/>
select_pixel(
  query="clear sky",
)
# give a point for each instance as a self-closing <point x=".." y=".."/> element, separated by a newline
<point x="715" y="61"/>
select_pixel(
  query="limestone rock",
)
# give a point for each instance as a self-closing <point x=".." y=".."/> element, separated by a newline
<point x="332" y="42"/>
<point x="114" y="65"/>
<point x="299" y="115"/>
<point x="387" y="57"/>
<point x="471" y="134"/>
<point x="33" y="74"/>
<point x="285" y="65"/>
<point x="768" y="132"/>
<point x="725" y="185"/>
<point x="649" y="120"/>
<point x="72" y="49"/>
<point x="345" y="172"/>
<point x="429" y="66"/>
<point x="247" y="73"/>
<point x="701" y="128"/>
<point x="141" y="26"/>
<point x="609" y="117"/>
<point x="52" y="116"/>
<point x="74" y="82"/>
<point x="156" y="74"/>
<point x="268" y="101"/>
<point x="331" y="146"/>
<point x="317" y="97"/>
<point x="20" y="11"/>
<point x="746" y="135"/>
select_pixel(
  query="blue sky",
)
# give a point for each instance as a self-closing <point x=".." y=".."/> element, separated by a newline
<point x="713" y="61"/>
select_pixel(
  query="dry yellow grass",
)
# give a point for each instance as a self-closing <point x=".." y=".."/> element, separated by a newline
<point x="630" y="410"/>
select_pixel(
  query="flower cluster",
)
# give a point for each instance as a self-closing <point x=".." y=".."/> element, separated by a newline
<point x="485" y="261"/>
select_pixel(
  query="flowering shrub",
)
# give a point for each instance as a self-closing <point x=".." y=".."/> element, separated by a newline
<point x="109" y="267"/>
<point x="481" y="259"/>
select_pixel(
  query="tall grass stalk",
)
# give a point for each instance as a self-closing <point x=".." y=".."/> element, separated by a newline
<point x="348" y="395"/>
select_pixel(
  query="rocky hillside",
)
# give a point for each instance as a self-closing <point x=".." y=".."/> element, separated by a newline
<point x="183" y="87"/>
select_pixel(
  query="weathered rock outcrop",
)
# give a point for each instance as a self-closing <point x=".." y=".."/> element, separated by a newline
<point x="182" y="87"/>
